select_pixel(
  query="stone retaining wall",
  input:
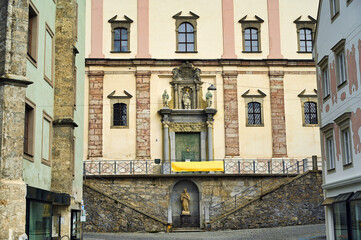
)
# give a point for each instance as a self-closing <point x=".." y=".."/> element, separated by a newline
<point x="152" y="194"/>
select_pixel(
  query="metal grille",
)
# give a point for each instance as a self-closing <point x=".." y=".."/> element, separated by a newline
<point x="310" y="109"/>
<point x="120" y="114"/>
<point x="254" y="113"/>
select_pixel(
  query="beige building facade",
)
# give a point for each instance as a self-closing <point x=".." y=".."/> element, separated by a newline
<point x="257" y="56"/>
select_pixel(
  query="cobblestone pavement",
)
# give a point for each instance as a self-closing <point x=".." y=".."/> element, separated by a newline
<point x="306" y="232"/>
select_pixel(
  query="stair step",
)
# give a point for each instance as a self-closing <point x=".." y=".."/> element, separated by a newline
<point x="176" y="230"/>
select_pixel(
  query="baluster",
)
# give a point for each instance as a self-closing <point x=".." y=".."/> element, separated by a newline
<point x="115" y="167"/>
<point x="269" y="166"/>
<point x="254" y="166"/>
<point x="298" y="167"/>
<point x="239" y="166"/>
<point x="283" y="165"/>
<point x="99" y="168"/>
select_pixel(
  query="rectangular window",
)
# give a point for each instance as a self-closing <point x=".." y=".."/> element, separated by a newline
<point x="346" y="146"/>
<point x="341" y="68"/>
<point x="340" y="220"/>
<point x="334" y="7"/>
<point x="39" y="220"/>
<point x="32" y="47"/>
<point x="326" y="82"/>
<point x="46" y="139"/>
<point x="29" y="130"/>
<point x="330" y="153"/>
<point x="49" y="56"/>
<point x="355" y="209"/>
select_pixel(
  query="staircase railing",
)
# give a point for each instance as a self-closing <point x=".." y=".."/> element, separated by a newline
<point x="218" y="210"/>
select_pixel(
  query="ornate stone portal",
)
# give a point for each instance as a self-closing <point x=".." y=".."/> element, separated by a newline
<point x="187" y="118"/>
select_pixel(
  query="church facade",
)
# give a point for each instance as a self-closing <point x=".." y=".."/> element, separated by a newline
<point x="177" y="81"/>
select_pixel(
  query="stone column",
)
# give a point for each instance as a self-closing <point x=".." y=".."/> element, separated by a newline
<point x="210" y="141"/>
<point x="95" y="129"/>
<point x="165" y="142"/>
<point x="231" y="113"/>
<point x="143" y="114"/>
<point x="13" y="45"/>
<point x="279" y="143"/>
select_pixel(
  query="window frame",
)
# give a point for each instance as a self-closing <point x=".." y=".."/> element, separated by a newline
<point x="339" y="50"/>
<point x="179" y="20"/>
<point x="186" y="33"/>
<point x="51" y="34"/>
<point x="305" y="40"/>
<point x="119" y="99"/>
<point x="259" y="98"/>
<point x="334" y="9"/>
<point x="29" y="155"/>
<point x="46" y="117"/>
<point x="251" y="24"/>
<point x="33" y="31"/>
<point x="344" y="125"/>
<point x="327" y="131"/>
<point x="250" y="40"/>
<point x="122" y="24"/>
<point x="323" y="67"/>
<point x="304" y="113"/>
<point x="121" y="114"/>
<point x="305" y="24"/>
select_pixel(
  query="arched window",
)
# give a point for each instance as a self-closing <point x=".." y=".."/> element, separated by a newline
<point x="186" y="37"/>
<point x="120" y="114"/>
<point x="254" y="113"/>
<point x="305" y="36"/>
<point x="310" y="111"/>
<point x="251" y="40"/>
<point x="120" y="40"/>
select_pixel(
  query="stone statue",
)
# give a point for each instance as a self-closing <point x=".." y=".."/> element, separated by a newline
<point x="187" y="100"/>
<point x="196" y="75"/>
<point x="185" y="198"/>
<point x="165" y="98"/>
<point x="209" y="99"/>
<point x="176" y="74"/>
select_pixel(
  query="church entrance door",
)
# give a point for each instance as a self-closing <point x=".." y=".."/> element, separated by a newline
<point x="187" y="146"/>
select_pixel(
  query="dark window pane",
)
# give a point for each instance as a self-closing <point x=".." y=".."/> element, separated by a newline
<point x="340" y="221"/>
<point x="356" y="219"/>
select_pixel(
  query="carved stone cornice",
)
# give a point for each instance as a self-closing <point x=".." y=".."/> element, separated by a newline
<point x="187" y="127"/>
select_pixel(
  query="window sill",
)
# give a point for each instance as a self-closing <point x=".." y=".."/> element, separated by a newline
<point x="348" y="2"/>
<point x="251" y="52"/>
<point x="326" y="98"/>
<point x="46" y="162"/>
<point x="340" y="86"/>
<point x="186" y="52"/>
<point x="304" y="52"/>
<point x="331" y="171"/>
<point x="32" y="60"/>
<point x="49" y="81"/>
<point x="310" y="125"/>
<point x="120" y="52"/>
<point x="333" y="18"/>
<point x="348" y="165"/>
<point x="28" y="157"/>
<point x="254" y="125"/>
<point x="119" y="127"/>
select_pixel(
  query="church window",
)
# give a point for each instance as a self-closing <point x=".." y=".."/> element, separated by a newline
<point x="120" y="34"/>
<point x="254" y="113"/>
<point x="186" y="37"/>
<point x="310" y="113"/>
<point x="251" y="40"/>
<point x="120" y="117"/>
<point x="305" y="38"/>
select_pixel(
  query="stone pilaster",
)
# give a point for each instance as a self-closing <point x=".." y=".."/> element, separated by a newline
<point x="231" y="113"/>
<point x="95" y="130"/>
<point x="13" y="45"/>
<point x="143" y="114"/>
<point x="279" y="144"/>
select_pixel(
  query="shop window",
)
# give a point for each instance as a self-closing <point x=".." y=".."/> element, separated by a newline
<point x="251" y="34"/>
<point x="32" y="47"/>
<point x="120" y="34"/>
<point x="29" y="130"/>
<point x="186" y="32"/>
<point x="340" y="221"/>
<point x="355" y="210"/>
<point x="39" y="220"/>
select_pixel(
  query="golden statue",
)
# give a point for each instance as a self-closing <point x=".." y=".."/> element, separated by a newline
<point x="185" y="198"/>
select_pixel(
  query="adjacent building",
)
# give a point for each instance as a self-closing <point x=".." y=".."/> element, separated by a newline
<point x="41" y="69"/>
<point x="338" y="56"/>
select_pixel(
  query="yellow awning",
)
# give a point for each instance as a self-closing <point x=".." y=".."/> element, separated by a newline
<point x="197" y="166"/>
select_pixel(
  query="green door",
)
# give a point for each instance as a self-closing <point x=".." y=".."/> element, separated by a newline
<point x="187" y="146"/>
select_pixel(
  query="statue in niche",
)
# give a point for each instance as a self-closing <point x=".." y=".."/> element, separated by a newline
<point x="165" y="98"/>
<point x="209" y="99"/>
<point x="187" y="100"/>
<point x="185" y="198"/>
